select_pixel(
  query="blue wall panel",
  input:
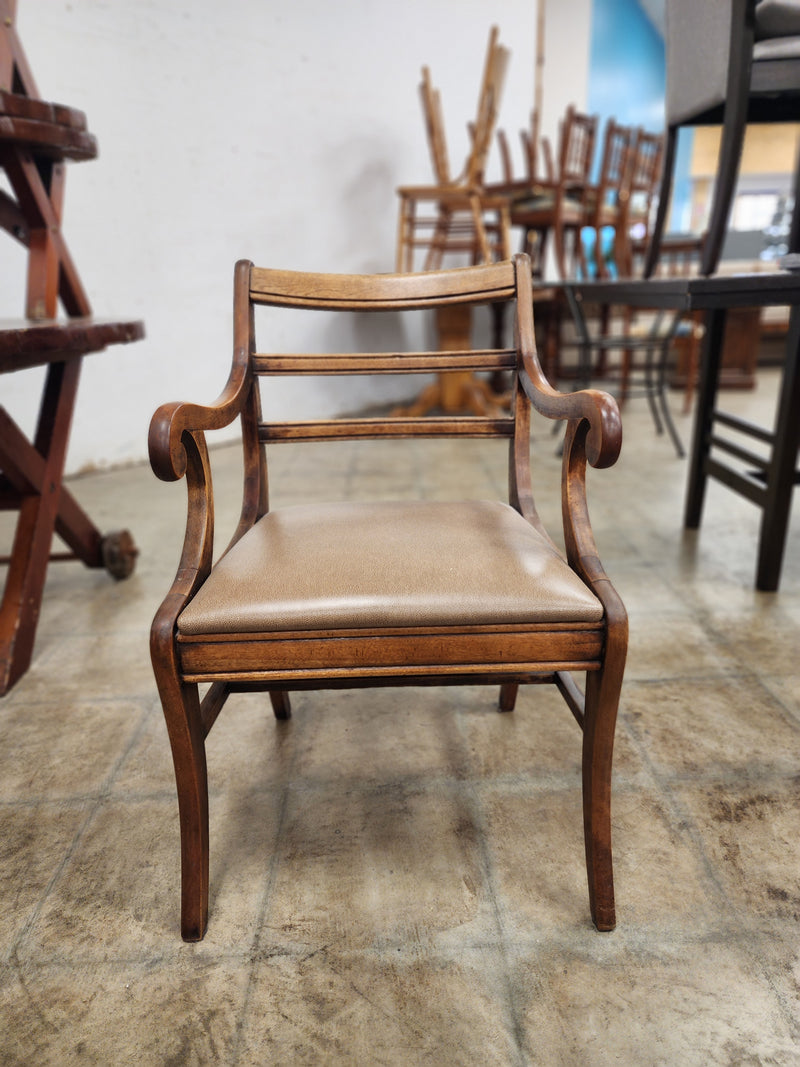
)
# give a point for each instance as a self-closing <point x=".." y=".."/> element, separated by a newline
<point x="627" y="76"/>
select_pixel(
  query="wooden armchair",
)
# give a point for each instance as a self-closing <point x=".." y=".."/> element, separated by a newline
<point x="351" y="594"/>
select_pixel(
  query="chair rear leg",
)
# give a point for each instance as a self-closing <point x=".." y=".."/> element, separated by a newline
<point x="508" y="696"/>
<point x="602" y="700"/>
<point x="280" y="704"/>
<point x="181" y="705"/>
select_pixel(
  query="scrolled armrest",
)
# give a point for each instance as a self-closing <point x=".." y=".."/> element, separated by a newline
<point x="168" y="425"/>
<point x="599" y="409"/>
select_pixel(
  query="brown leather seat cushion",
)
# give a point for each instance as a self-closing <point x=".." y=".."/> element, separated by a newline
<point x="384" y="564"/>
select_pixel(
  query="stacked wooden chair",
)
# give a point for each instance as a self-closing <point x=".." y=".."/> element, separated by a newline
<point x="532" y="147"/>
<point x="607" y="203"/>
<point x="641" y="197"/>
<point x="556" y="209"/>
<point x="459" y="217"/>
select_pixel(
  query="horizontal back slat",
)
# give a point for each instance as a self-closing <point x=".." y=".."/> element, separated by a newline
<point x="355" y="429"/>
<point x="383" y="362"/>
<point x="359" y="292"/>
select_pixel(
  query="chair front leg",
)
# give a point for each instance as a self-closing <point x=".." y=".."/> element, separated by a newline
<point x="602" y="700"/>
<point x="181" y="704"/>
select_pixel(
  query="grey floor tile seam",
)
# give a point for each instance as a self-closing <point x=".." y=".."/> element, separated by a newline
<point x="181" y="954"/>
<point x="24" y="695"/>
<point x="685" y="823"/>
<point x="87" y="798"/>
<point x="706" y="677"/>
<point x="95" y="804"/>
<point x="757" y="777"/>
<point x="756" y="962"/>
<point x="148" y="796"/>
<point x="258" y="951"/>
<point x="264" y="950"/>
<point x="524" y="784"/>
<point x="791" y="708"/>
<point x="644" y="941"/>
<point x="514" y="1001"/>
<point x="437" y="784"/>
<point x="105" y="788"/>
<point x="710" y="622"/>
<point x="11" y="958"/>
<point x="23" y="803"/>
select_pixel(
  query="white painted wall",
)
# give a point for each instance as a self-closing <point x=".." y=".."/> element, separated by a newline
<point x="258" y="129"/>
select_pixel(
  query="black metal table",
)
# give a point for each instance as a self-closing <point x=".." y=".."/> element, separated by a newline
<point x="767" y="481"/>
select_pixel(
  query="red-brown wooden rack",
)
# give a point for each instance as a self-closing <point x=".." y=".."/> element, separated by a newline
<point x="36" y="140"/>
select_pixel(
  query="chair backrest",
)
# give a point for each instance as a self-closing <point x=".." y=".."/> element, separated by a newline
<point x="508" y="281"/>
<point x="576" y="149"/>
<point x="616" y="164"/>
<point x="642" y="185"/>
<point x="647" y="151"/>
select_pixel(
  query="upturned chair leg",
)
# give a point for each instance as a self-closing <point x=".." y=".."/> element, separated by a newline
<point x="602" y="700"/>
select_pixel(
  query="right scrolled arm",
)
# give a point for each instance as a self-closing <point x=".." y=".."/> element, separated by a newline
<point x="598" y="409"/>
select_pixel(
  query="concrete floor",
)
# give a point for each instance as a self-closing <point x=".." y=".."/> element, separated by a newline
<point x="397" y="876"/>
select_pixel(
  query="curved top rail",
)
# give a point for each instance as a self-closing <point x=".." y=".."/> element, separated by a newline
<point x="383" y="292"/>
